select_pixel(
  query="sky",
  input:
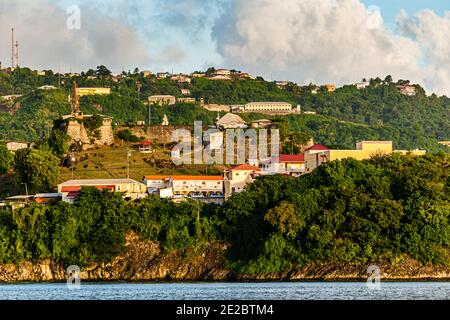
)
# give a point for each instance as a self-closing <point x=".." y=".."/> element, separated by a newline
<point x="320" y="41"/>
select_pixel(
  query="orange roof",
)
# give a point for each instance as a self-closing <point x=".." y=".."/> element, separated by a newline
<point x="217" y="178"/>
<point x="156" y="177"/>
<point x="245" y="167"/>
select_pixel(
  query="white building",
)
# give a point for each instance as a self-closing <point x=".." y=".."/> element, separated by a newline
<point x="222" y="72"/>
<point x="238" y="177"/>
<point x="284" y="164"/>
<point x="407" y="90"/>
<point x="362" y="85"/>
<point x="162" y="100"/>
<point x="231" y="121"/>
<point x="185" y="186"/>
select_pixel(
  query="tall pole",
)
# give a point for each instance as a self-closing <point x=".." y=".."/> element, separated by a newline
<point x="149" y="113"/>
<point x="128" y="163"/>
<point x="12" y="48"/>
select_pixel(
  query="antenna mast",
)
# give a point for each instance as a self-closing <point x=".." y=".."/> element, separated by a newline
<point x="12" y="47"/>
<point x="17" y="54"/>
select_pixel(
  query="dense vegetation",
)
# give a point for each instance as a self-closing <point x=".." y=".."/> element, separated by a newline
<point x="344" y="116"/>
<point x="345" y="211"/>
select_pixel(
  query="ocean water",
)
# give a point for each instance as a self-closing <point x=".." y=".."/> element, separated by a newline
<point x="228" y="291"/>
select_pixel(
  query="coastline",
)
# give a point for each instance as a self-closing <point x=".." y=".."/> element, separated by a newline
<point x="144" y="262"/>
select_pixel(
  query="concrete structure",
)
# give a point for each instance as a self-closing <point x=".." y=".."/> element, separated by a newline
<point x="93" y="91"/>
<point x="318" y="154"/>
<point x="222" y="72"/>
<point x="445" y="143"/>
<point x="47" y="87"/>
<point x="180" y="78"/>
<point x="185" y="92"/>
<point x="284" y="164"/>
<point x="269" y="107"/>
<point x="282" y="84"/>
<point x="263" y="123"/>
<point x="177" y="187"/>
<point x="144" y="146"/>
<point x="147" y="74"/>
<point x="220" y="77"/>
<point x="162" y="75"/>
<point x="238" y="177"/>
<point x="10" y="97"/>
<point x="131" y="189"/>
<point x="362" y="85"/>
<point x="186" y="100"/>
<point x="162" y="100"/>
<point x="330" y="87"/>
<point x="217" y="107"/>
<point x="407" y="90"/>
<point x="231" y="121"/>
<point x="13" y="146"/>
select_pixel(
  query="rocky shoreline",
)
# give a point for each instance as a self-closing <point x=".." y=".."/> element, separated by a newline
<point x="143" y="261"/>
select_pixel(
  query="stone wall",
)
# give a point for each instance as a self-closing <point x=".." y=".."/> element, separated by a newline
<point x="160" y="134"/>
<point x="79" y="135"/>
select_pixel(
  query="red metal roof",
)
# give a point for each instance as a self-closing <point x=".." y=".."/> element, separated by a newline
<point x="318" y="147"/>
<point x="291" y="158"/>
<point x="145" y="143"/>
<point x="78" y="188"/>
<point x="245" y="167"/>
<point x="198" y="178"/>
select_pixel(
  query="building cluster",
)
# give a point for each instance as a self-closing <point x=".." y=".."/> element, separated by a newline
<point x="212" y="189"/>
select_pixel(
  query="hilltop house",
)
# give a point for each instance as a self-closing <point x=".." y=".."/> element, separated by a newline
<point x="231" y="121"/>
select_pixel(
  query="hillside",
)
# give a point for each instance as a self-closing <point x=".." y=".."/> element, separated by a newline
<point x="392" y="211"/>
<point x="343" y="117"/>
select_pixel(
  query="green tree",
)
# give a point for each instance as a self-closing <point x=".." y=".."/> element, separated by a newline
<point x="39" y="169"/>
<point x="5" y="159"/>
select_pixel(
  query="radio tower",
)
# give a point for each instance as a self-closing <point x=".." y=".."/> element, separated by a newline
<point x="14" y="51"/>
<point x="12" y="48"/>
<point x="17" y="54"/>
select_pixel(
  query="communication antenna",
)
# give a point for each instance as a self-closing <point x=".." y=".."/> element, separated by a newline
<point x="17" y="54"/>
<point x="12" y="48"/>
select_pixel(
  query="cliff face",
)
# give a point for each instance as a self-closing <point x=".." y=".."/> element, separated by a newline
<point x="79" y="135"/>
<point x="144" y="261"/>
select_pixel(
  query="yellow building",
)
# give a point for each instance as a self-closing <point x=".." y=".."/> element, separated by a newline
<point x="93" y="91"/>
<point x="130" y="188"/>
<point x="318" y="154"/>
<point x="268" y="107"/>
<point x="330" y="87"/>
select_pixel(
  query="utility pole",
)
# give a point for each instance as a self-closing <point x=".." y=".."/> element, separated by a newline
<point x="12" y="48"/>
<point x="149" y="113"/>
<point x="128" y="163"/>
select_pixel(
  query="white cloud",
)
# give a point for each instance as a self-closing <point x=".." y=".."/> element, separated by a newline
<point x="339" y="41"/>
<point x="46" y="42"/>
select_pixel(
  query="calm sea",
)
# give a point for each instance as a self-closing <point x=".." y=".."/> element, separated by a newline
<point x="227" y="291"/>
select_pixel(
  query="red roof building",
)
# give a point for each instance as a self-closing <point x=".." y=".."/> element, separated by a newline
<point x="317" y="147"/>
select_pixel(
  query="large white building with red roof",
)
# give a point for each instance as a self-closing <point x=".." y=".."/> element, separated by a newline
<point x="238" y="177"/>
<point x="284" y="164"/>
